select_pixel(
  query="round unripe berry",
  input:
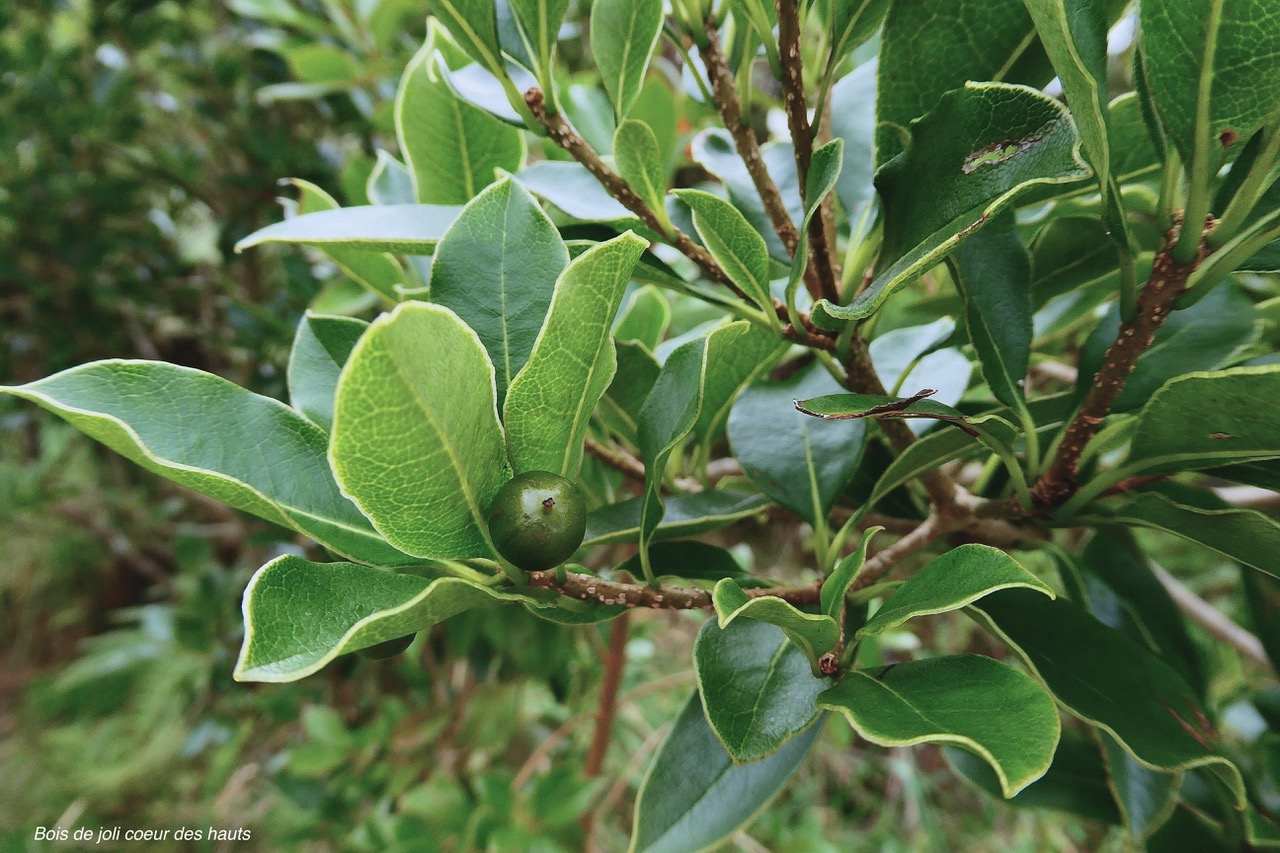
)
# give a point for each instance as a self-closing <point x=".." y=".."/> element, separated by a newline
<point x="537" y="520"/>
<point x="387" y="649"/>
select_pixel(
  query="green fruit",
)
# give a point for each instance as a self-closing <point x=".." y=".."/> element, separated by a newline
<point x="537" y="520"/>
<point x="388" y="649"/>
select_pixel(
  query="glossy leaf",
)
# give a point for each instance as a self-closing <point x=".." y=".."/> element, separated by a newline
<point x="970" y="701"/>
<point x="570" y="187"/>
<point x="410" y="228"/>
<point x="1210" y="68"/>
<point x="801" y="463"/>
<point x="733" y="242"/>
<point x="376" y="271"/>
<point x="969" y="158"/>
<point x="541" y="20"/>
<point x="824" y="172"/>
<point x="640" y="163"/>
<point x="300" y="615"/>
<point x="250" y="452"/>
<point x="851" y="22"/>
<point x="847" y="407"/>
<point x="1146" y="797"/>
<point x="1205" y="336"/>
<point x="757" y="688"/>
<point x="624" y="34"/>
<point x="695" y="797"/>
<point x="551" y="399"/>
<point x="1074" y="34"/>
<point x="666" y="419"/>
<point x="813" y="634"/>
<point x="853" y="119"/>
<point x="320" y="349"/>
<point x="924" y="54"/>
<point x="1113" y="562"/>
<point x="496" y="269"/>
<point x="736" y="357"/>
<point x="836" y="586"/>
<point x="416" y="439"/>
<point x="474" y="26"/>
<point x="390" y="182"/>
<point x="1076" y="782"/>
<point x="957" y="578"/>
<point x="1244" y="535"/>
<point x="993" y="273"/>
<point x="1108" y="680"/>
<point x="637" y="370"/>
<point x="452" y="148"/>
<point x="689" y="559"/>
<point x="684" y="515"/>
<point x="715" y="151"/>
<point x="644" y="318"/>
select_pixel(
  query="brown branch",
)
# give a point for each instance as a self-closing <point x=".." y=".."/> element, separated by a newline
<point x="563" y="134"/>
<point x="1167" y="282"/>
<point x="744" y="139"/>
<point x="793" y="100"/>
<point x="622" y="461"/>
<point x="610" y="593"/>
<point x="1212" y="620"/>
<point x="875" y="568"/>
<point x="614" y="663"/>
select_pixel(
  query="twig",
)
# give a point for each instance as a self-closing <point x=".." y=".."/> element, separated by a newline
<point x="1167" y="282"/>
<point x="875" y="568"/>
<point x="611" y="593"/>
<point x="614" y="663"/>
<point x="744" y="139"/>
<point x="793" y="101"/>
<point x="620" y="460"/>
<point x="1213" y="620"/>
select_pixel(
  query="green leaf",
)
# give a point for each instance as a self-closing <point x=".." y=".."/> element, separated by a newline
<point x="452" y="148"/>
<point x="1200" y="420"/>
<point x="684" y="515"/>
<point x="644" y="319"/>
<point x="1076" y="782"/>
<point x="551" y="399"/>
<point x="640" y="162"/>
<point x="1108" y="680"/>
<point x="570" y="187"/>
<point x="376" y="271"/>
<point x="299" y="615"/>
<point x="851" y="22"/>
<point x="993" y="274"/>
<point x="1208" y="335"/>
<point x="736" y="356"/>
<point x="390" y="182"/>
<point x="199" y="430"/>
<point x="848" y="407"/>
<point x="957" y="578"/>
<point x="637" y="370"/>
<point x="1114" y="567"/>
<point x="853" y="119"/>
<point x="1210" y="67"/>
<point x="837" y="584"/>
<point x="496" y="269"/>
<point x="1146" y="797"/>
<point x="970" y="701"/>
<point x="416" y="440"/>
<point x="924" y="53"/>
<point x="473" y="24"/>
<point x="801" y="463"/>
<point x="687" y="559"/>
<point x="666" y="418"/>
<point x="757" y="688"/>
<point x="980" y="148"/>
<point x="715" y="151"/>
<point x="1244" y="535"/>
<point x="1074" y="34"/>
<point x="410" y="228"/>
<point x="695" y="797"/>
<point x="624" y="34"/>
<point x="813" y="634"/>
<point x="734" y="243"/>
<point x="1069" y="253"/>
<point x="824" y="172"/>
<point x="320" y="349"/>
<point x="541" y="20"/>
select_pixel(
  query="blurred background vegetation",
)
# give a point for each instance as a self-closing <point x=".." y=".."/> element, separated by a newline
<point x="141" y="140"/>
